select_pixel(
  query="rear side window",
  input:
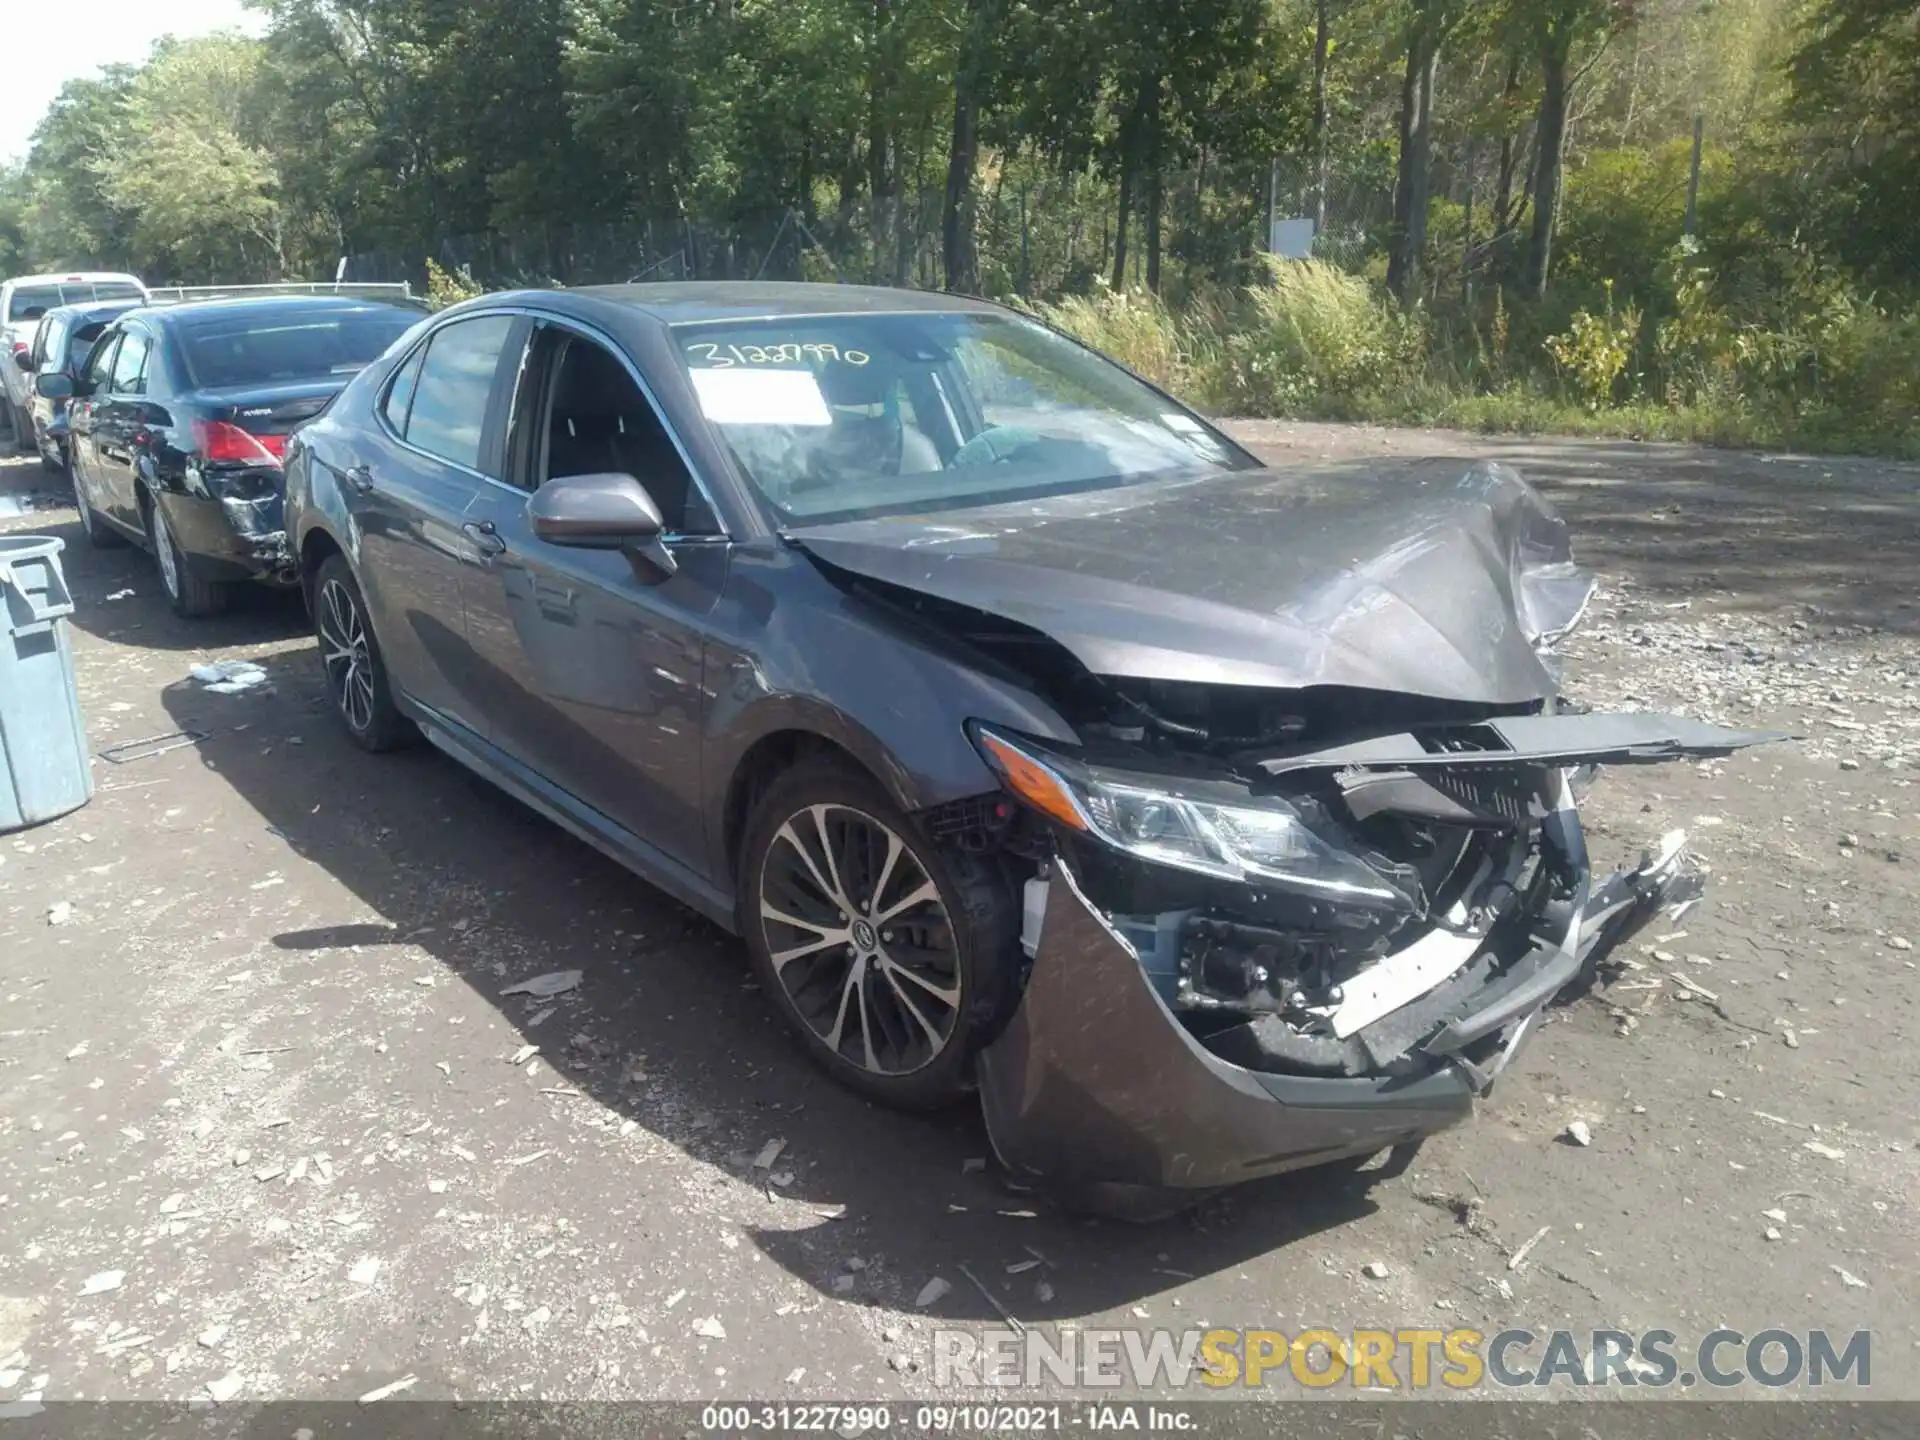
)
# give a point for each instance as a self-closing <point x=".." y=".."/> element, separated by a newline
<point x="47" y="340"/>
<point x="449" y="415"/>
<point x="399" y="401"/>
<point x="246" y="349"/>
<point x="99" y="361"/>
<point x="130" y="365"/>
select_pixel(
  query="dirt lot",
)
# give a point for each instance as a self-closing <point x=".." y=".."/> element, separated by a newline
<point x="258" y="1093"/>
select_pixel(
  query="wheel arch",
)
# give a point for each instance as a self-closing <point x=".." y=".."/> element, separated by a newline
<point x="800" y="737"/>
<point x="317" y="546"/>
<point x="906" y="731"/>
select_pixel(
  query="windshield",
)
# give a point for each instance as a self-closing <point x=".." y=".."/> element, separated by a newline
<point x="242" y="349"/>
<point x="848" y="416"/>
<point x="30" y="302"/>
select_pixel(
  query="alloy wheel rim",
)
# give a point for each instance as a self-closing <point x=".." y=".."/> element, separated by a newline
<point x="163" y="553"/>
<point x="347" y="655"/>
<point x="860" y="940"/>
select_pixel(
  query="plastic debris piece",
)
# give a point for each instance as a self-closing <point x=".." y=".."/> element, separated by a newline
<point x="545" y="987"/>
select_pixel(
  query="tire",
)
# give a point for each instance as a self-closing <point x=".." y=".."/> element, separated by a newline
<point x="350" y="661"/>
<point x="925" y="992"/>
<point x="100" y="535"/>
<point x="190" y="597"/>
<point x="22" y="430"/>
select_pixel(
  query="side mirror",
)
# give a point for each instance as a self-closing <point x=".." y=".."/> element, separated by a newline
<point x="53" y="385"/>
<point x="24" y="359"/>
<point x="601" y="512"/>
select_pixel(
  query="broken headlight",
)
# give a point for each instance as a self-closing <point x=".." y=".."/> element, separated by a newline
<point x="1210" y="828"/>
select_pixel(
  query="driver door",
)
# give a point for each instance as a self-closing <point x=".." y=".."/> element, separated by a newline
<point x="597" y="657"/>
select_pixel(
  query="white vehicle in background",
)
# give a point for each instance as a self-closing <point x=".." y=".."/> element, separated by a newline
<point x="23" y="300"/>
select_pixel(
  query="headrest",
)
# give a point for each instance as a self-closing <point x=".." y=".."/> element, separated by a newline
<point x="845" y="384"/>
<point x="591" y="379"/>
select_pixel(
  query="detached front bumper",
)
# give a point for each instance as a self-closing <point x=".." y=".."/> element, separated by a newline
<point x="1098" y="1091"/>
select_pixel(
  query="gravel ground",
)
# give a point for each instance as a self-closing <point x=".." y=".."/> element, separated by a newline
<point x="273" y="1129"/>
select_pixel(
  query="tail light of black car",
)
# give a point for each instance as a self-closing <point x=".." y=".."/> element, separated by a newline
<point x="238" y="464"/>
<point x="220" y="442"/>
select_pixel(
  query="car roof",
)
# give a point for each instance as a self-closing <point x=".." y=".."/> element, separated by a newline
<point x="197" y="312"/>
<point x="76" y="277"/>
<point x="95" y="309"/>
<point x="684" y="302"/>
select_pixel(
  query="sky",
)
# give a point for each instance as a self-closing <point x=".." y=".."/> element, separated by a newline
<point x="45" y="44"/>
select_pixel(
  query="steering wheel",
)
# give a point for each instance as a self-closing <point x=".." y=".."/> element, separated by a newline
<point x="996" y="445"/>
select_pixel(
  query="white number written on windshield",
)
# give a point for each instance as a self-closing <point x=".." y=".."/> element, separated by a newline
<point x="725" y="357"/>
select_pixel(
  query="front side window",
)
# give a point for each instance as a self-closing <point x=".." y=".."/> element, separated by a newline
<point x="598" y="421"/>
<point x="449" y="412"/>
<point x="130" y="365"/>
<point x="848" y="416"/>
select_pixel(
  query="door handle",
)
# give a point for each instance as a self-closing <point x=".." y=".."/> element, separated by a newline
<point x="359" y="477"/>
<point x="485" y="537"/>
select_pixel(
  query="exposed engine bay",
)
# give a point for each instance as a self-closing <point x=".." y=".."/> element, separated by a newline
<point x="1450" y="885"/>
<point x="1302" y="862"/>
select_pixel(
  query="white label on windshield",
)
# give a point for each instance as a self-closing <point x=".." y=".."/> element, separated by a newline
<point x="1184" y="423"/>
<point x="761" y="397"/>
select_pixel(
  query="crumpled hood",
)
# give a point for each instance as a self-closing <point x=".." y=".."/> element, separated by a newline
<point x="1439" y="578"/>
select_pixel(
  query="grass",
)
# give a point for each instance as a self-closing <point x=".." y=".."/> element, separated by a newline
<point x="1313" y="342"/>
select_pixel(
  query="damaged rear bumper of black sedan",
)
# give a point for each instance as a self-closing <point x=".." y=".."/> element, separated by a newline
<point x="1100" y="1092"/>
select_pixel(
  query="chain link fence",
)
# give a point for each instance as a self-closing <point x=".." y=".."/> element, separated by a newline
<point x="1035" y="235"/>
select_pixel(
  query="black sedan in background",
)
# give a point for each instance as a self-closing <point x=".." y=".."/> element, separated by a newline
<point x="61" y="345"/>
<point x="1213" y="820"/>
<point x="178" y="425"/>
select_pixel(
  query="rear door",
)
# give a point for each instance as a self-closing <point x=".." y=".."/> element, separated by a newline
<point x="409" y="501"/>
<point x="117" y="420"/>
<point x="592" y="659"/>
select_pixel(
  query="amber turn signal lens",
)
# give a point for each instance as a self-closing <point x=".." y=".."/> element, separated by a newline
<point x="1032" y="782"/>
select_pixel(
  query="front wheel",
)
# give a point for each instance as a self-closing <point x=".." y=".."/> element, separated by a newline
<point x="350" y="656"/>
<point x="892" y="959"/>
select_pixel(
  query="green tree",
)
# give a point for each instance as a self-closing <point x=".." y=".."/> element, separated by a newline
<point x="1427" y="24"/>
<point x="70" y="219"/>
<point x="203" y="194"/>
<point x="1568" y="38"/>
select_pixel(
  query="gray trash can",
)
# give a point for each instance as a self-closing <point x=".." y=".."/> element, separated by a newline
<point x="44" y="769"/>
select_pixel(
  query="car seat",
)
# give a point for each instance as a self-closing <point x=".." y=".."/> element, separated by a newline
<point x="602" y="424"/>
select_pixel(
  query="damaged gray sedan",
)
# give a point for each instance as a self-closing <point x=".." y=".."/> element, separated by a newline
<point x="1212" y="821"/>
